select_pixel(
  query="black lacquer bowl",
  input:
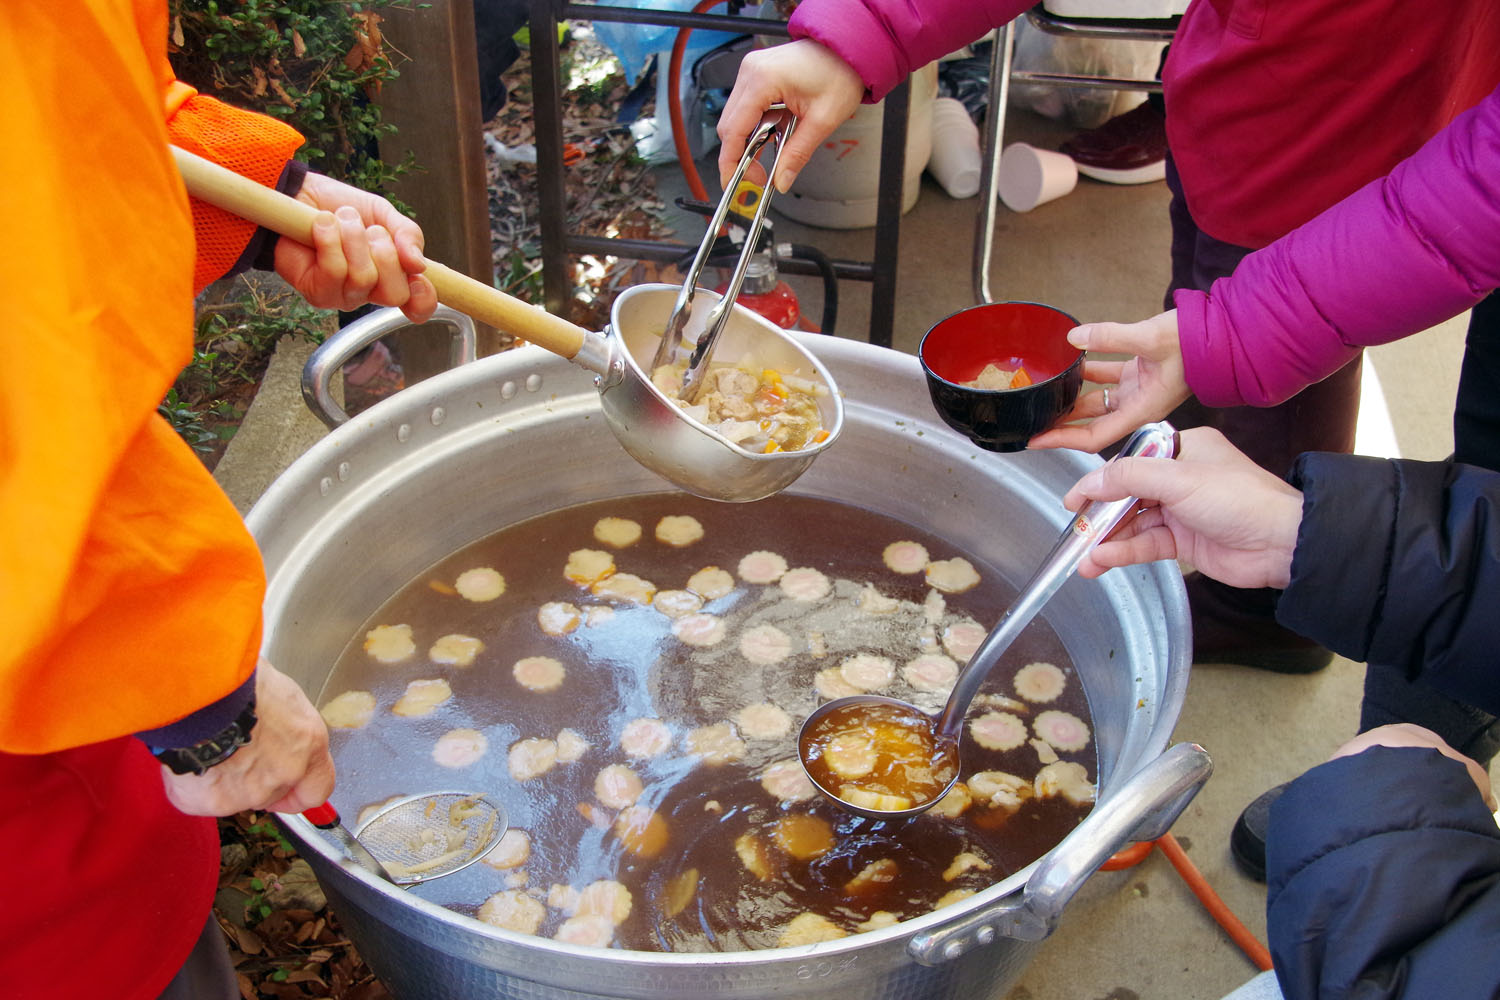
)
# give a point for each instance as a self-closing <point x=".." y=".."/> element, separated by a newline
<point x="1010" y="335"/>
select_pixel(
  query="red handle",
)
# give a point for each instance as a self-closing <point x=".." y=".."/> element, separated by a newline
<point x="323" y="816"/>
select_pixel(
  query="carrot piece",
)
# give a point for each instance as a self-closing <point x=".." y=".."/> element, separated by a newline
<point x="1020" y="379"/>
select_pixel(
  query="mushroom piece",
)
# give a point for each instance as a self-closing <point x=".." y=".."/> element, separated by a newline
<point x="873" y="602"/>
<point x="999" y="789"/>
<point x="966" y="861"/>
<point x="1065" y="778"/>
<point x="875" y="875"/>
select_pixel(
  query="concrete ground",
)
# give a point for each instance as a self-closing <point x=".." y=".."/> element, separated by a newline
<point x="1099" y="253"/>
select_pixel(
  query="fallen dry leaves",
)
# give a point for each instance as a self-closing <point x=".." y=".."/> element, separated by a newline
<point x="283" y="939"/>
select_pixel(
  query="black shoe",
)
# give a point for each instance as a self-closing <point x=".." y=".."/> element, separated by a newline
<point x="1247" y="842"/>
<point x="1231" y="625"/>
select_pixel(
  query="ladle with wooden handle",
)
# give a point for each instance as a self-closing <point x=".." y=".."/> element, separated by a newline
<point x="652" y="428"/>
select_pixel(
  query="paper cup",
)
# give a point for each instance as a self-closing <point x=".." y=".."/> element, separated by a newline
<point x="955" y="161"/>
<point x="1030" y="177"/>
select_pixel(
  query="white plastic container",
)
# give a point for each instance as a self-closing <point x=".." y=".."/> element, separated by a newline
<point x="955" y="161"/>
<point x="839" y="188"/>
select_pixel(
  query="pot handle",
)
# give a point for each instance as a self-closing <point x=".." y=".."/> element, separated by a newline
<point x="1143" y="808"/>
<point x="317" y="374"/>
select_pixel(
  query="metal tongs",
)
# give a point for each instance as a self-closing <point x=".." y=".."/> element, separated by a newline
<point x="778" y="123"/>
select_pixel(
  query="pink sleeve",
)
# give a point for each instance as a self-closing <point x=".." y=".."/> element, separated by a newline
<point x="885" y="40"/>
<point x="1395" y="258"/>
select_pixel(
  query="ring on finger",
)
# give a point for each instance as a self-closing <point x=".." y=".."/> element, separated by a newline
<point x="1107" y="407"/>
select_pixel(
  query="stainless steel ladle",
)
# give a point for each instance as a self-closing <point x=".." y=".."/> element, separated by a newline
<point x="1091" y="524"/>
<point x="651" y="427"/>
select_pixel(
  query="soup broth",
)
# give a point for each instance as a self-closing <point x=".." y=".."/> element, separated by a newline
<point x="628" y="676"/>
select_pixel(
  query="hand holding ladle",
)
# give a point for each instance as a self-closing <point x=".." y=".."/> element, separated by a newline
<point x="887" y="759"/>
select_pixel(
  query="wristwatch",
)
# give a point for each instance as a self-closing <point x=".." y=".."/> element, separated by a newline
<point x="218" y="748"/>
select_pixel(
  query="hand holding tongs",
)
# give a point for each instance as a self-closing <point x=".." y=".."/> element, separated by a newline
<point x="666" y="351"/>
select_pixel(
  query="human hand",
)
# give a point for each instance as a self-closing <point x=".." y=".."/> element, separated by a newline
<point x="1147" y="387"/>
<point x="1211" y="505"/>
<point x="363" y="251"/>
<point x="1407" y="735"/>
<point x="815" y="85"/>
<point x="285" y="767"/>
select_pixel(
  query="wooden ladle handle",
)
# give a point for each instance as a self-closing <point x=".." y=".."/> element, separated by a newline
<point x="211" y="183"/>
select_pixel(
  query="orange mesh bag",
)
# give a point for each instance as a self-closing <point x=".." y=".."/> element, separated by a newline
<point x="248" y="143"/>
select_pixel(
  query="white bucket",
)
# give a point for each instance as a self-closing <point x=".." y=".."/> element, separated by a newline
<point x="839" y="188"/>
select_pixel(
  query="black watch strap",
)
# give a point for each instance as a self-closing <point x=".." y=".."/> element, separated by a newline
<point x="204" y="754"/>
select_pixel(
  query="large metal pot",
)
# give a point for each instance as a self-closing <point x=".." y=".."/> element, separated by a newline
<point x="463" y="454"/>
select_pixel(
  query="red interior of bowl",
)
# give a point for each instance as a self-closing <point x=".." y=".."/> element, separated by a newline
<point x="1005" y="334"/>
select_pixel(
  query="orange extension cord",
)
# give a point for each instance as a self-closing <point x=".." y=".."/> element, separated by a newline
<point x="1216" y="907"/>
<point x="674" y="105"/>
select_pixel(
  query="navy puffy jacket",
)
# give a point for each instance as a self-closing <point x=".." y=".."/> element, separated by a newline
<point x="1384" y="867"/>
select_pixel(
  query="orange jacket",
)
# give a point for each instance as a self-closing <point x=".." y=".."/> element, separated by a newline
<point x="130" y="591"/>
